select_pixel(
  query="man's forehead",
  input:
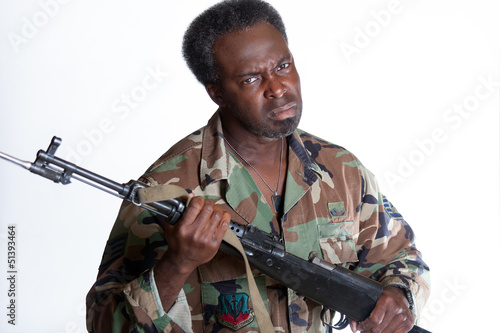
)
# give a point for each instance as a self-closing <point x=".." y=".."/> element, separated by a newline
<point x="251" y="47"/>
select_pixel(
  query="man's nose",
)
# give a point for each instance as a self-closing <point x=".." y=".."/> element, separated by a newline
<point x="275" y="89"/>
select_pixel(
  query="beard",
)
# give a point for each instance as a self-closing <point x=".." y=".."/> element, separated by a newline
<point x="274" y="129"/>
<point x="280" y="129"/>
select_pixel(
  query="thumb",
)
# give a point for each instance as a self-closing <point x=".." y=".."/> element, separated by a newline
<point x="354" y="326"/>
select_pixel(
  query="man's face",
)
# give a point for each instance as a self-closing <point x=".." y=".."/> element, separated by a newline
<point x="259" y="89"/>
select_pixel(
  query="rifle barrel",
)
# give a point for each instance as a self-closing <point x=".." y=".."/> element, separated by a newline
<point x="23" y="164"/>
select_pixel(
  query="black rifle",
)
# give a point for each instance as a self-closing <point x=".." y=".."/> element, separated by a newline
<point x="336" y="288"/>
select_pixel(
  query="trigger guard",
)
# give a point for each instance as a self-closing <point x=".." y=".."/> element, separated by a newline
<point x="340" y="325"/>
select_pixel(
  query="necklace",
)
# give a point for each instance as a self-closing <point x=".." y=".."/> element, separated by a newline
<point x="275" y="198"/>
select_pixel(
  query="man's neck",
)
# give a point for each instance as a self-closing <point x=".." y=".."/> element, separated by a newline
<point x="257" y="151"/>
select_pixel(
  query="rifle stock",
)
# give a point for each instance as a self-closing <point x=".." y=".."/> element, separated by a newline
<point x="333" y="286"/>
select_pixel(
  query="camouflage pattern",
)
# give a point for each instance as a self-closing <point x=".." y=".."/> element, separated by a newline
<point x="332" y="206"/>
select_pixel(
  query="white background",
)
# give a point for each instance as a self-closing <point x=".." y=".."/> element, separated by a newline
<point x="384" y="79"/>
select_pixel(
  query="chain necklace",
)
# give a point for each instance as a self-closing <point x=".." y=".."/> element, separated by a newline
<point x="275" y="198"/>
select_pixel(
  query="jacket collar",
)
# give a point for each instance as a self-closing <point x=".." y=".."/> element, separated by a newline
<point x="218" y="164"/>
<point x="215" y="164"/>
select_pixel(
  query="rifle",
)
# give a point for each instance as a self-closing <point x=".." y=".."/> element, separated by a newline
<point x="334" y="287"/>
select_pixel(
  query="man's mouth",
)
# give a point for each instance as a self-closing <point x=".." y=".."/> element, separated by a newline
<point x="283" y="112"/>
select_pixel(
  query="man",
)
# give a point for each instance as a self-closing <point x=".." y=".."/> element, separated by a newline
<point x="250" y="164"/>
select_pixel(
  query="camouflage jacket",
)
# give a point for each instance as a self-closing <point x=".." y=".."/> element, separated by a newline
<point x="332" y="205"/>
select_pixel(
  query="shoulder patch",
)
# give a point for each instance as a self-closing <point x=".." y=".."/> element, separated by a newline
<point x="391" y="210"/>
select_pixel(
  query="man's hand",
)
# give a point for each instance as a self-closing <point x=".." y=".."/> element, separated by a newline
<point x="391" y="314"/>
<point x="192" y="241"/>
<point x="196" y="238"/>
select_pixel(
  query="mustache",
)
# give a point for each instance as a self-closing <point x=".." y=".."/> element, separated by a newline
<point x="281" y="102"/>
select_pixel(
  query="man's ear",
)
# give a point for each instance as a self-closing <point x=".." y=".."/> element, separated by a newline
<point x="215" y="93"/>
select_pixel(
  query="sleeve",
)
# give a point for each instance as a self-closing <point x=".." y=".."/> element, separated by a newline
<point x="124" y="297"/>
<point x="386" y="245"/>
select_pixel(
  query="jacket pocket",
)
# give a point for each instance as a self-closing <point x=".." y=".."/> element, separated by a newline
<point x="225" y="295"/>
<point x="336" y="242"/>
<point x="227" y="305"/>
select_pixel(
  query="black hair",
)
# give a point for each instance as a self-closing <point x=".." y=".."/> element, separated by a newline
<point x="217" y="21"/>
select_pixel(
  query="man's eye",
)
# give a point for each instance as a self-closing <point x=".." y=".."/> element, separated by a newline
<point x="284" y="66"/>
<point x="250" y="80"/>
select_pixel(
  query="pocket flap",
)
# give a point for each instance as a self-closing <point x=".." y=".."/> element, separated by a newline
<point x="336" y="242"/>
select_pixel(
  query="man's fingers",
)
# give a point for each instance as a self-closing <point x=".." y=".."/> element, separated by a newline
<point x="400" y="323"/>
<point x="390" y="315"/>
<point x="204" y="220"/>
<point x="192" y="211"/>
<point x="223" y="225"/>
<point x="218" y="223"/>
<point x="375" y="319"/>
<point x="207" y="211"/>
